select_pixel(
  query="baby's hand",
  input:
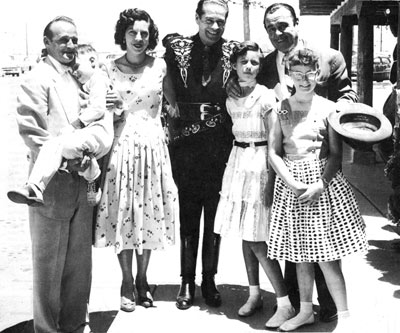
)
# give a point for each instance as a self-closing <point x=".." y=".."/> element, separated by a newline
<point x="83" y="99"/>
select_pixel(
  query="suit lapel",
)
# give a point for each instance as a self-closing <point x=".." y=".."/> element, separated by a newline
<point x="68" y="94"/>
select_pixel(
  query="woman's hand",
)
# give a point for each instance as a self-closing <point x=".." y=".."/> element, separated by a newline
<point x="312" y="193"/>
<point x="114" y="100"/>
<point x="173" y="111"/>
<point x="299" y="188"/>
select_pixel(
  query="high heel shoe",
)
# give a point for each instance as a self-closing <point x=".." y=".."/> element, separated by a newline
<point x="145" y="298"/>
<point x="127" y="304"/>
<point x="250" y="307"/>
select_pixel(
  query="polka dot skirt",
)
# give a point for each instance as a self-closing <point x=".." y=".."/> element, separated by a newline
<point x="328" y="230"/>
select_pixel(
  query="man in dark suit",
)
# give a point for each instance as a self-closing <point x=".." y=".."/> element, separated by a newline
<point x="281" y="24"/>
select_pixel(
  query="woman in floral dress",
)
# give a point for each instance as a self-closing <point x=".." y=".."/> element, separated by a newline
<point x="139" y="206"/>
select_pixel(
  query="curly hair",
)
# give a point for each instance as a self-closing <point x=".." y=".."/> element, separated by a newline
<point x="242" y="49"/>
<point x="126" y="19"/>
<point x="304" y="56"/>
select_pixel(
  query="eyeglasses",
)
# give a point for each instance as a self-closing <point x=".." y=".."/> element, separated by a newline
<point x="299" y="76"/>
<point x="66" y="39"/>
<point x="211" y="22"/>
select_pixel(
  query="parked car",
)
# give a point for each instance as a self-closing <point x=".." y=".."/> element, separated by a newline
<point x="381" y="68"/>
<point x="10" y="66"/>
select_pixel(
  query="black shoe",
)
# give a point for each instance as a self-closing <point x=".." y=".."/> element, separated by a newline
<point x="145" y="297"/>
<point x="26" y="195"/>
<point x="210" y="292"/>
<point x="185" y="297"/>
<point x="327" y="315"/>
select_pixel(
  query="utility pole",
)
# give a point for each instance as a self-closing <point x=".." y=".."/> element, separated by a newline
<point x="246" y="20"/>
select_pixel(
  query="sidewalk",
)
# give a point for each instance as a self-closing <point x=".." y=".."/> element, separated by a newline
<point x="372" y="281"/>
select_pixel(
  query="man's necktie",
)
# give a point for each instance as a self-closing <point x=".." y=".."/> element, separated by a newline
<point x="206" y="66"/>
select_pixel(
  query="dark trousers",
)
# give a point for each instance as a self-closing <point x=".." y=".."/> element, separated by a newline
<point x="324" y="297"/>
<point x="198" y="165"/>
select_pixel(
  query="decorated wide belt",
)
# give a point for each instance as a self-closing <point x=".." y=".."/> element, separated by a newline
<point x="194" y="112"/>
<point x="196" y="118"/>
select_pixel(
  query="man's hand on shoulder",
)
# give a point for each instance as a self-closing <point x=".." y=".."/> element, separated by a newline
<point x="233" y="89"/>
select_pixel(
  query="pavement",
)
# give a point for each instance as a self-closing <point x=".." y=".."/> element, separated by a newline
<point x="372" y="280"/>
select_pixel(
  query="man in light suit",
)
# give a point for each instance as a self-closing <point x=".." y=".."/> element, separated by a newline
<point x="61" y="229"/>
<point x="281" y="24"/>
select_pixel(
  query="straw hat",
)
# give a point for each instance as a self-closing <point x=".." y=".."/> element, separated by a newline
<point x="360" y="125"/>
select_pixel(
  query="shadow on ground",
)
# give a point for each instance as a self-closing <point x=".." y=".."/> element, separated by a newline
<point x="99" y="323"/>
<point x="384" y="255"/>
<point x="233" y="296"/>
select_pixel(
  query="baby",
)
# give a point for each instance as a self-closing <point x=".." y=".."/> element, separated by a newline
<point x="84" y="138"/>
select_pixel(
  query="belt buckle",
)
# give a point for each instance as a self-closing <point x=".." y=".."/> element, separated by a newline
<point x="203" y="110"/>
<point x="252" y="145"/>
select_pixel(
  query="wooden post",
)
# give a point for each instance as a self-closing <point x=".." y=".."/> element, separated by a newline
<point x="335" y="31"/>
<point x="365" y="58"/>
<point x="346" y="41"/>
<point x="396" y="132"/>
<point x="246" y="20"/>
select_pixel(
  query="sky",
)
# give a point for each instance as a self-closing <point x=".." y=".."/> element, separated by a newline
<point x="22" y="22"/>
<point x="96" y="21"/>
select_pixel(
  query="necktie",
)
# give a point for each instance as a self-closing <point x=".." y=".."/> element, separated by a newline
<point x="206" y="66"/>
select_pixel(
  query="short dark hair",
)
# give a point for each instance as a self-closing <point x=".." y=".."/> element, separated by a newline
<point x="47" y="30"/>
<point x="200" y="5"/>
<point x="303" y="56"/>
<point x="275" y="6"/>
<point x="242" y="49"/>
<point x="128" y="18"/>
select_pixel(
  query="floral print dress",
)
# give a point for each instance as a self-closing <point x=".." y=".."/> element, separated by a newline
<point x="139" y="205"/>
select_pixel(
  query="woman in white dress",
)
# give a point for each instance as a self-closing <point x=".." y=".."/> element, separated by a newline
<point x="139" y="206"/>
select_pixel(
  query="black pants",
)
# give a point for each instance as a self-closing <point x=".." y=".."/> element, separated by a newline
<point x="198" y="165"/>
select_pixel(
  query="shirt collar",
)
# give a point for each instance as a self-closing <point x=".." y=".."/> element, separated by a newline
<point x="60" y="68"/>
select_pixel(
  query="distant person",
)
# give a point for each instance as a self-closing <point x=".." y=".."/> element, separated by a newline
<point x="199" y="67"/>
<point x="138" y="210"/>
<point x="281" y="24"/>
<point x="315" y="217"/>
<point x="85" y="131"/>
<point x="243" y="208"/>
<point x="61" y="229"/>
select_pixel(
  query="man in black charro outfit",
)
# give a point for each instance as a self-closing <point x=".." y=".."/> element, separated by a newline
<point x="201" y="141"/>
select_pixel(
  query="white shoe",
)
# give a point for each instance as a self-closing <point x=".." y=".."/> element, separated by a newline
<point x="251" y="306"/>
<point x="296" y="322"/>
<point x="282" y="314"/>
<point x="127" y="305"/>
<point x="344" y="325"/>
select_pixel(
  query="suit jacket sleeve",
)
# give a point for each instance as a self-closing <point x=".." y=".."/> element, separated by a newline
<point x="339" y="83"/>
<point x="32" y="110"/>
<point x="268" y="75"/>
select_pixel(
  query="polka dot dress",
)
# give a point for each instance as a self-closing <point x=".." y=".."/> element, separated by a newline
<point x="139" y="206"/>
<point x="328" y="230"/>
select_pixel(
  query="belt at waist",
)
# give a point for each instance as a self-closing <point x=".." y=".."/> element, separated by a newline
<point x="249" y="144"/>
<point x="198" y="111"/>
<point x="310" y="155"/>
